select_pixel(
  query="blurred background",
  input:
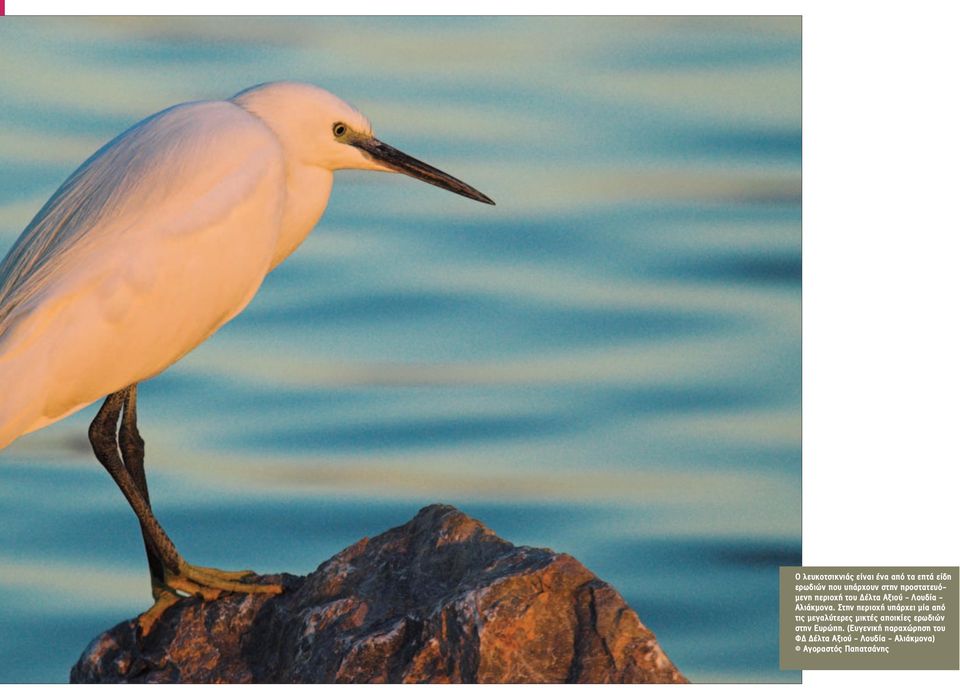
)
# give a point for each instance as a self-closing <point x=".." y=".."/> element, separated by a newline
<point x="607" y="363"/>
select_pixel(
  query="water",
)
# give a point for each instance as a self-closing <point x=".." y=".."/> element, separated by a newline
<point x="607" y="363"/>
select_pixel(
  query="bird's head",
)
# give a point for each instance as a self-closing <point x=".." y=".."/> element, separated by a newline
<point x="323" y="131"/>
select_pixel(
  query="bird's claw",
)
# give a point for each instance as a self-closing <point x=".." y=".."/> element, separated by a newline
<point x="224" y="575"/>
<point x="164" y="598"/>
<point x="199" y="581"/>
<point x="204" y="580"/>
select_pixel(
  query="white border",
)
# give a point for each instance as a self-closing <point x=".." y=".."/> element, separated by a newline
<point x="880" y="289"/>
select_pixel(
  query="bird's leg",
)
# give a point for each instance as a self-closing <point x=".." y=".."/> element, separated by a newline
<point x="175" y="573"/>
<point x="131" y="447"/>
<point x="131" y="450"/>
<point x="103" y="439"/>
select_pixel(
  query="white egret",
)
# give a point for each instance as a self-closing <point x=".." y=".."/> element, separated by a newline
<point x="155" y="242"/>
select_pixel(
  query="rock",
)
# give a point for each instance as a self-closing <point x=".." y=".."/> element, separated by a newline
<point x="440" y="599"/>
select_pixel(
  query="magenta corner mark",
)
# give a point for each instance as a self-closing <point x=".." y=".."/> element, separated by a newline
<point x="3" y="10"/>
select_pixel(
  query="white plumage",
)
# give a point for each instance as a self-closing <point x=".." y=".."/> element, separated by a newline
<point x="154" y="243"/>
<point x="164" y="235"/>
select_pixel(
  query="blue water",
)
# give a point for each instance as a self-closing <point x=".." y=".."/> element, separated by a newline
<point x="606" y="363"/>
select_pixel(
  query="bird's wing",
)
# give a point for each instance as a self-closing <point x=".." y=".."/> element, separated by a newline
<point x="160" y="237"/>
<point x="146" y="166"/>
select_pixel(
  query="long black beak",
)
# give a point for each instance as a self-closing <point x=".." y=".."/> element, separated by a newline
<point x="401" y="162"/>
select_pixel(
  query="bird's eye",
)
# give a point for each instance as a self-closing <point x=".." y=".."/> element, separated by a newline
<point x="339" y="129"/>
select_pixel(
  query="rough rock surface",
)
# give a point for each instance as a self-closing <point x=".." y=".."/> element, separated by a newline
<point x="440" y="599"/>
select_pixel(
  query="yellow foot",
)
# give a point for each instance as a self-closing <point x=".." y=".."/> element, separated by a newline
<point x="224" y="575"/>
<point x="215" y="579"/>
<point x="164" y="599"/>
<point x="200" y="581"/>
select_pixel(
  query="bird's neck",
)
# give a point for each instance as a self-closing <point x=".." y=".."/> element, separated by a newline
<point x="308" y="190"/>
